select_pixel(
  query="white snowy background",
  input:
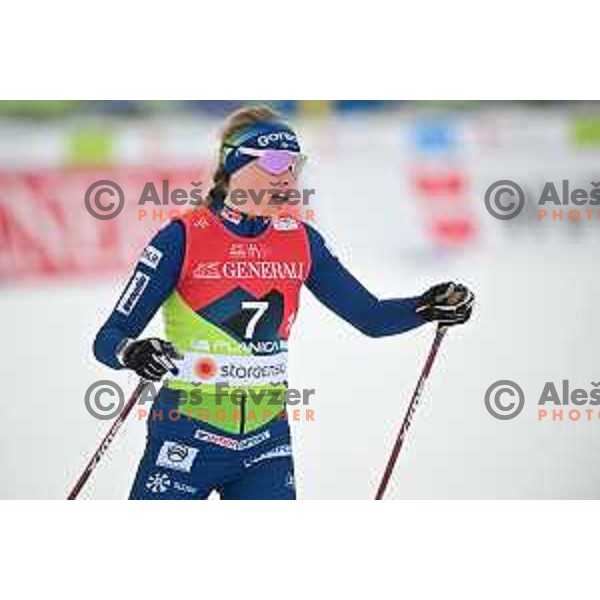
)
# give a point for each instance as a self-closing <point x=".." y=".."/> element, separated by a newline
<point x="537" y="290"/>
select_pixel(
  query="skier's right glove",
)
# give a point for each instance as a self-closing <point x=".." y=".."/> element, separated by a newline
<point x="151" y="359"/>
<point x="447" y="303"/>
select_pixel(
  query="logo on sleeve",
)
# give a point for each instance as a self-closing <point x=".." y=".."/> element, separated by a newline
<point x="178" y="457"/>
<point x="285" y="224"/>
<point x="151" y="256"/>
<point x="133" y="293"/>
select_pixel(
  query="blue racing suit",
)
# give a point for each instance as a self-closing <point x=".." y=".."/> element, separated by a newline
<point x="189" y="458"/>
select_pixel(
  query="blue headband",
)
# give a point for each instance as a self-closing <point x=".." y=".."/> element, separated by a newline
<point x="261" y="136"/>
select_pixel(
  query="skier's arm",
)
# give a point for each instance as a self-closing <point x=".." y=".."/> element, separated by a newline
<point x="336" y="288"/>
<point x="153" y="279"/>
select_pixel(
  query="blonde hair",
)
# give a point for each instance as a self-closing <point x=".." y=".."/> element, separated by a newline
<point x="237" y="121"/>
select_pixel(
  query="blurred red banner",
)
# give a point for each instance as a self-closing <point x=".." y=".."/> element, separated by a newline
<point x="46" y="230"/>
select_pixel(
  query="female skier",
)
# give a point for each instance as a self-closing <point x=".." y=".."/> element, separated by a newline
<point x="228" y="277"/>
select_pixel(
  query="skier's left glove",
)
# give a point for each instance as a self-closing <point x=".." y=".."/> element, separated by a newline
<point x="447" y="303"/>
<point x="151" y="358"/>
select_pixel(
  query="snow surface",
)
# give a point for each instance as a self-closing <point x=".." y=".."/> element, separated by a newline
<point x="535" y="322"/>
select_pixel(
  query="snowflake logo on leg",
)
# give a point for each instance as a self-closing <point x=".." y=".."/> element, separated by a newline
<point x="158" y="483"/>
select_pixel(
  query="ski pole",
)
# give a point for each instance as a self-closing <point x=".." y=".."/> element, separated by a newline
<point x="106" y="442"/>
<point x="435" y="346"/>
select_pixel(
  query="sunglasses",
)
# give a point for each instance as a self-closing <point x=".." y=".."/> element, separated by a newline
<point x="276" y="162"/>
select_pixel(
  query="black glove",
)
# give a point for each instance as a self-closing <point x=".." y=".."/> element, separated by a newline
<point x="448" y="303"/>
<point x="151" y="359"/>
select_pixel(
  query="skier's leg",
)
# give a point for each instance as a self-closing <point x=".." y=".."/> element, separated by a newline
<point x="174" y="464"/>
<point x="166" y="472"/>
<point x="267" y="475"/>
